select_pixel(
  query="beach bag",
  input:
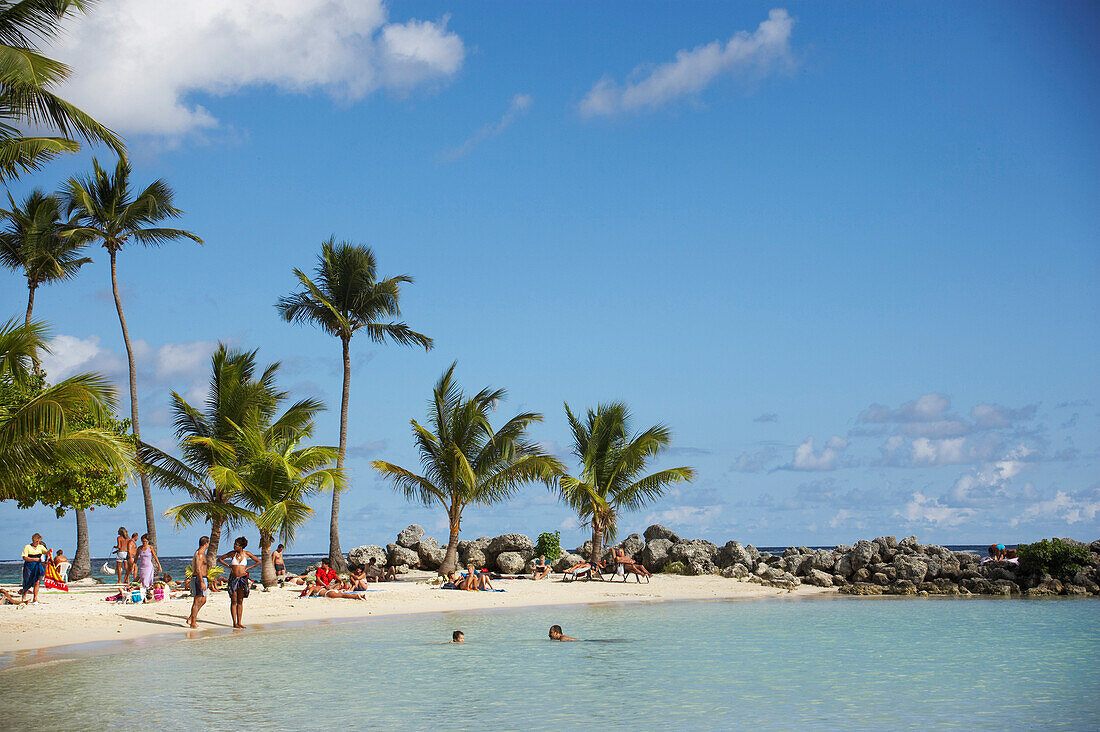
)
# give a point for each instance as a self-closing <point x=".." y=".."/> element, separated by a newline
<point x="158" y="593"/>
<point x="136" y="597"/>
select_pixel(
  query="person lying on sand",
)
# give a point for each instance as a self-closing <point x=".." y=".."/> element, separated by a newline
<point x="557" y="635"/>
<point x="11" y="599"/>
<point x="319" y="590"/>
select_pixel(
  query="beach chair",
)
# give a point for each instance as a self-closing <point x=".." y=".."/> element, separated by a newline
<point x="588" y="572"/>
<point x="632" y="569"/>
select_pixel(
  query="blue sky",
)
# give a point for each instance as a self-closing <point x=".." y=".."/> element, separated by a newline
<point x="848" y="253"/>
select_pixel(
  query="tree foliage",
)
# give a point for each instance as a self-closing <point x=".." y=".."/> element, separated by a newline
<point x="1058" y="558"/>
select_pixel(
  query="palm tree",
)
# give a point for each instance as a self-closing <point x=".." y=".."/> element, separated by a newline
<point x="210" y="469"/>
<point x="465" y="461"/>
<point x="345" y="297"/>
<point x="27" y="79"/>
<point x="34" y="240"/>
<point x="611" y="462"/>
<point x="38" y="431"/>
<point x="278" y="477"/>
<point x="107" y="211"/>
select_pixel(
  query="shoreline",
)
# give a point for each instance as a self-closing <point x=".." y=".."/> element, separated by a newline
<point x="63" y="624"/>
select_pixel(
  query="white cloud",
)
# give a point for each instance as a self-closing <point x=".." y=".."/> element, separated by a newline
<point x="69" y="355"/>
<point x="923" y="510"/>
<point x="940" y="452"/>
<point x="1071" y="508"/>
<point x="138" y="61"/>
<point x="696" y="518"/>
<point x="806" y="459"/>
<point x="754" y="462"/>
<point x="693" y="70"/>
<point x="927" y="408"/>
<point x="519" y="105"/>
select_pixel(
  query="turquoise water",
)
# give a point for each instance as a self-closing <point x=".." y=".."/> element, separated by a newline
<point x="774" y="664"/>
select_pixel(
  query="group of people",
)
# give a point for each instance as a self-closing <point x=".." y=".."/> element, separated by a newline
<point x="135" y="560"/>
<point x="556" y="634"/>
<point x="238" y="562"/>
<point x="40" y="564"/>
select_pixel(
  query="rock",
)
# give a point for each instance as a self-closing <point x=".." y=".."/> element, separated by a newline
<point x="655" y="554"/>
<point x="736" y="571"/>
<point x="909" y="567"/>
<point x="843" y="566"/>
<point x="753" y="552"/>
<point x="880" y="578"/>
<point x="360" y="555"/>
<point x="861" y="588"/>
<point x="1074" y="589"/>
<point x="909" y="545"/>
<point x="903" y="587"/>
<point x="700" y="566"/>
<point x="794" y="563"/>
<point x="733" y="553"/>
<point x="769" y="573"/>
<point x="862" y="554"/>
<point x="824" y="560"/>
<point x="399" y="556"/>
<point x="817" y="578"/>
<point x="430" y="553"/>
<point x="693" y="550"/>
<point x="934" y="566"/>
<point x="632" y="545"/>
<point x="510" y="543"/>
<point x="1005" y="587"/>
<point x="861" y="575"/>
<point x="567" y="560"/>
<point x="951" y="569"/>
<point x="785" y="581"/>
<point x="884" y="549"/>
<point x="510" y="562"/>
<point x="656" y="531"/>
<point x="410" y="536"/>
<point x="476" y="556"/>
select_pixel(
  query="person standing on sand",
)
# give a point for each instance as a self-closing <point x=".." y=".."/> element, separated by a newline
<point x="199" y="569"/>
<point x="146" y="557"/>
<point x="238" y="578"/>
<point x="131" y="558"/>
<point x="280" y="566"/>
<point x="35" y="557"/>
<point x="122" y="555"/>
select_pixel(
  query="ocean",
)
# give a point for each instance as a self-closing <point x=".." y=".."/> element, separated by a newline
<point x="785" y="663"/>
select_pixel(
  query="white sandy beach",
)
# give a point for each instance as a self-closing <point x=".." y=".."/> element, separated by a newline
<point x="83" y="616"/>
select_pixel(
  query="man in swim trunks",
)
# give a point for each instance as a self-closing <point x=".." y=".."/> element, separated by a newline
<point x="280" y="567"/>
<point x="198" y="582"/>
<point x="131" y="558"/>
<point x="557" y="635"/>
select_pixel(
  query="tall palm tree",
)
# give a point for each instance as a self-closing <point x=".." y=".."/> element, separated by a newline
<point x="210" y="467"/>
<point x="611" y="463"/>
<point x="345" y="297"/>
<point x="34" y="240"/>
<point x="465" y="461"/>
<point x="40" y="431"/>
<point x="27" y="79"/>
<point x="278" y="477"/>
<point x="108" y="211"/>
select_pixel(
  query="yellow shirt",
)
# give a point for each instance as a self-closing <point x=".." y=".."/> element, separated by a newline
<point x="33" y="552"/>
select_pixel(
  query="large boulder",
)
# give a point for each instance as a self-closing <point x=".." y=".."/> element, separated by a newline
<point x="410" y="536"/>
<point x="910" y="568"/>
<point x="700" y="566"/>
<point x="843" y="566"/>
<point x="656" y="531"/>
<point x="632" y="545"/>
<point x="510" y="562"/>
<point x="695" y="549"/>
<point x="795" y="563"/>
<point x="733" y="553"/>
<point x="863" y="553"/>
<point x="360" y="555"/>
<point x="818" y="578"/>
<point x="476" y="556"/>
<point x="430" y="553"/>
<point x="655" y="554"/>
<point x="909" y="545"/>
<point x="736" y="571"/>
<point x="510" y="543"/>
<point x="567" y="560"/>
<point x="824" y="560"/>
<point x="399" y="556"/>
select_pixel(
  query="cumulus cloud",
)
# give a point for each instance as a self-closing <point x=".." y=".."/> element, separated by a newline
<point x="924" y="510"/>
<point x="987" y="485"/>
<point x="69" y="355"/>
<point x="1072" y="508"/>
<point x="928" y="408"/>
<point x="767" y="417"/>
<point x="930" y="416"/>
<point x="697" y="518"/>
<point x="764" y="50"/>
<point x="754" y="462"/>
<point x="994" y="416"/>
<point x="139" y="62"/>
<point x="806" y="459"/>
<point x="519" y="105"/>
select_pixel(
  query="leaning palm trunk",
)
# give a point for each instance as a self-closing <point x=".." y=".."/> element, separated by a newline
<point x="146" y="492"/>
<point x="82" y="560"/>
<point x="267" y="561"/>
<point x="450" y="559"/>
<point x="216" y="524"/>
<point x="597" y="543"/>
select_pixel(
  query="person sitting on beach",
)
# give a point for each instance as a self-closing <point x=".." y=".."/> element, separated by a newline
<point x="458" y="637"/>
<point x="326" y="575"/>
<point x="541" y="570"/>
<point x="556" y="634"/>
<point x="474" y="581"/>
<point x="358" y="579"/>
<point x="62" y="564"/>
<point x="372" y="572"/>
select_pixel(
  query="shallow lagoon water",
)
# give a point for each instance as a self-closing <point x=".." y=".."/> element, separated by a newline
<point x="774" y="664"/>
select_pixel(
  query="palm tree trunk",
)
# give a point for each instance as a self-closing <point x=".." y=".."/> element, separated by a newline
<point x="82" y="560"/>
<point x="30" y="303"/>
<point x="334" y="554"/>
<point x="597" y="543"/>
<point x="216" y="524"/>
<point x="450" y="559"/>
<point x="146" y="491"/>
<point x="267" y="563"/>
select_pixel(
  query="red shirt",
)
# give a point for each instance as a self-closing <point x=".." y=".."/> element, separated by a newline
<point x="326" y="575"/>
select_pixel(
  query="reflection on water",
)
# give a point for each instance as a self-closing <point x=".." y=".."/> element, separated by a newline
<point x="893" y="663"/>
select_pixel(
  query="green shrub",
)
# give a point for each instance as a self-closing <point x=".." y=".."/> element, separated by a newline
<point x="1058" y="558"/>
<point x="675" y="568"/>
<point x="549" y="545"/>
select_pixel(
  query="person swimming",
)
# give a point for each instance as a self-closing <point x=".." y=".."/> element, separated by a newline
<point x="556" y="634"/>
<point x="458" y="637"/>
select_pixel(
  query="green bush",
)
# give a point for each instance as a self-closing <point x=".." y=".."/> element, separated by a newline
<point x="549" y="545"/>
<point x="1058" y="558"/>
<point x="675" y="568"/>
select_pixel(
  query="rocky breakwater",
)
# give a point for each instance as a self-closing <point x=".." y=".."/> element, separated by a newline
<point x="507" y="553"/>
